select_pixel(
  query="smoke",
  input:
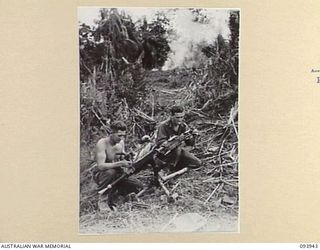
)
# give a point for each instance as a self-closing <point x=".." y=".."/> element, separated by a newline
<point x="187" y="35"/>
<point x="190" y="36"/>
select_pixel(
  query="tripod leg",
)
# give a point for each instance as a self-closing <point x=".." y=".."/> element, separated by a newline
<point x="142" y="191"/>
<point x="164" y="187"/>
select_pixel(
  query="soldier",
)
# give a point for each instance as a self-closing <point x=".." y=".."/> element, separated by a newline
<point x="110" y="165"/>
<point x="180" y="157"/>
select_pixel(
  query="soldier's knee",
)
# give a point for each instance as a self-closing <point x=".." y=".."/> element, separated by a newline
<point x="196" y="163"/>
<point x="111" y="172"/>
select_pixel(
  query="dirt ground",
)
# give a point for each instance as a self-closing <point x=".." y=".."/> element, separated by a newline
<point x="221" y="221"/>
<point x="153" y="213"/>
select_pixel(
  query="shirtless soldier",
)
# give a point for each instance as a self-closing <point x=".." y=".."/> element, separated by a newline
<point x="110" y="164"/>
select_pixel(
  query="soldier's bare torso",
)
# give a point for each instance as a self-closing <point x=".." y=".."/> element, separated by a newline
<point x="111" y="150"/>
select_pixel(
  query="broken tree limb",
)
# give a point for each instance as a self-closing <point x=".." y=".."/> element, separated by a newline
<point x="86" y="67"/>
<point x="206" y="105"/>
<point x="212" y="193"/>
<point x="197" y="113"/>
<point x="175" y="186"/>
<point x="163" y="187"/>
<point x="220" y="158"/>
<point x="170" y="176"/>
<point x="100" y="120"/>
<point x="125" y="60"/>
<point x="143" y="115"/>
<point x="152" y="106"/>
<point x="142" y="192"/>
<point x="227" y="164"/>
<point x="228" y="183"/>
<point x="235" y="129"/>
<point x="171" y="91"/>
<point x="233" y="114"/>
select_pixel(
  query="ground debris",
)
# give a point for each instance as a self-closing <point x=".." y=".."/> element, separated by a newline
<point x="211" y="189"/>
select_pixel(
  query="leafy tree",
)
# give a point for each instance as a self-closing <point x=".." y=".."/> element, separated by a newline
<point x="218" y="91"/>
<point x="113" y="58"/>
<point x="155" y="42"/>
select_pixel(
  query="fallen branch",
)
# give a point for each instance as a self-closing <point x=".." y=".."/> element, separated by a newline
<point x="227" y="164"/>
<point x="163" y="187"/>
<point x="170" y="176"/>
<point x="214" y="156"/>
<point x="140" y="205"/>
<point x="219" y="185"/>
<point x="86" y="67"/>
<point x="197" y="113"/>
<point x="175" y="186"/>
<point x="206" y="105"/>
<point x="100" y="120"/>
<point x="171" y="92"/>
<point x="213" y="180"/>
<point x="143" y="115"/>
<point x="228" y="183"/>
<point x="142" y="192"/>
<point x="220" y="159"/>
<point x="233" y="114"/>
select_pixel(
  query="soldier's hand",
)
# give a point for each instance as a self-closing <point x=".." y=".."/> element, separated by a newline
<point x="129" y="170"/>
<point x="130" y="156"/>
<point x="125" y="163"/>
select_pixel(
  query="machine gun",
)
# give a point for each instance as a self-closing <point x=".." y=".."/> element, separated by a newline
<point x="125" y="156"/>
<point x="172" y="143"/>
<point x="161" y="152"/>
<point x="134" y="168"/>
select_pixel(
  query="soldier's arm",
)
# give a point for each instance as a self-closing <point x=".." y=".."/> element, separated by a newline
<point x="162" y="135"/>
<point x="190" y="142"/>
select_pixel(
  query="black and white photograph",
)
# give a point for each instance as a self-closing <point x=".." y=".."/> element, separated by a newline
<point x="159" y="134"/>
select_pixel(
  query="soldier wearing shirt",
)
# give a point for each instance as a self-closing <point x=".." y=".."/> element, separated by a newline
<point x="180" y="157"/>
